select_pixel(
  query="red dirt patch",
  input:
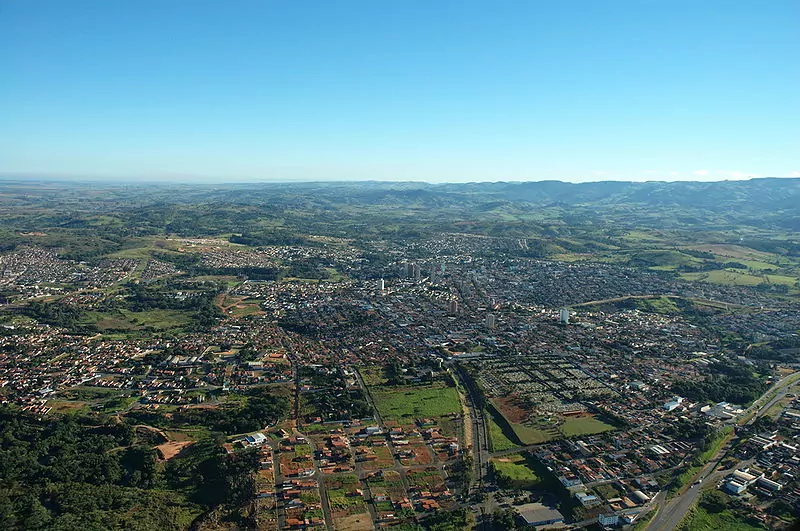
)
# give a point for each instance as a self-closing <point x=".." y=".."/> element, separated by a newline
<point x="510" y="410"/>
<point x="172" y="448"/>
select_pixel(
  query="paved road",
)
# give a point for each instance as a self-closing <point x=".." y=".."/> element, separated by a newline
<point x="781" y="389"/>
<point x="398" y="466"/>
<point x="323" y="494"/>
<point x="279" y="508"/>
<point x="670" y="516"/>
<point x="480" y="435"/>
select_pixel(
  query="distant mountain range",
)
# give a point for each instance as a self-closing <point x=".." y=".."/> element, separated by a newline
<point x="765" y="203"/>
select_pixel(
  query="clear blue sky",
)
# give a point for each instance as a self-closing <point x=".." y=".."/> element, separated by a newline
<point x="401" y="90"/>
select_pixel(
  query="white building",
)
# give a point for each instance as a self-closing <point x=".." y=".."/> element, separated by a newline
<point x="673" y="404"/>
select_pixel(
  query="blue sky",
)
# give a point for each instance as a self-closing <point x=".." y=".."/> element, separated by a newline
<point x="400" y="90"/>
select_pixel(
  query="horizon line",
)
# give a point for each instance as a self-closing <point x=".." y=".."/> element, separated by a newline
<point x="207" y="180"/>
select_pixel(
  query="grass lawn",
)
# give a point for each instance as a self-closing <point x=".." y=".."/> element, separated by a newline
<point x="395" y="403"/>
<point x="498" y="439"/>
<point x="302" y="450"/>
<point x="513" y="471"/>
<point x="608" y="491"/>
<point x="584" y="426"/>
<point x="530" y="435"/>
<point x="643" y="521"/>
<point x="701" y="520"/>
<point x="340" y="501"/>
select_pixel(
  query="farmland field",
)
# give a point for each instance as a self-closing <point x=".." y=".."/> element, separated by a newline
<point x="735" y="278"/>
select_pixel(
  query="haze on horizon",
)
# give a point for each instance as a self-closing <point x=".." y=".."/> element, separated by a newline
<point x="450" y="91"/>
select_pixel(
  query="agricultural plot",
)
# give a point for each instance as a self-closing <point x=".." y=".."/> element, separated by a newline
<point x="734" y="277"/>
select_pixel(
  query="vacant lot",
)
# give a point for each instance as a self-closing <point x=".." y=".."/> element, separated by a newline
<point x="497" y="438"/>
<point x="663" y="305"/>
<point x="128" y="320"/>
<point x="701" y="520"/>
<point x="583" y="426"/>
<point x="416" y="402"/>
<point x="512" y="471"/>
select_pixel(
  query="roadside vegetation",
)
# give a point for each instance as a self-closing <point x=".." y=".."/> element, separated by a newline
<point x="717" y="511"/>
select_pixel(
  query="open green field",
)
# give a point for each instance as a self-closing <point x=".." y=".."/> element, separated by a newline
<point x="128" y="320"/>
<point x="726" y="277"/>
<point x="733" y="277"/>
<point x="396" y="403"/>
<point x="497" y="438"/>
<point x="758" y="265"/>
<point x="701" y="520"/>
<point x="732" y="251"/>
<point x="529" y="435"/>
<point x="340" y="501"/>
<point x="372" y="375"/>
<point x="584" y="426"/>
<point x="664" y="259"/>
<point x="64" y="407"/>
<point x="663" y="305"/>
<point x="782" y="279"/>
<point x="513" y="471"/>
<point x="609" y="491"/>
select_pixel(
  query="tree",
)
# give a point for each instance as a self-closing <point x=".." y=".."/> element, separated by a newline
<point x="503" y="520"/>
<point x="713" y="501"/>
